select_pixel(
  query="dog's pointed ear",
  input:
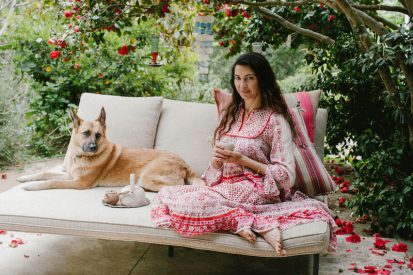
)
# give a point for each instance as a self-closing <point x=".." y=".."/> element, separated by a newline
<point x="102" y="117"/>
<point x="75" y="119"/>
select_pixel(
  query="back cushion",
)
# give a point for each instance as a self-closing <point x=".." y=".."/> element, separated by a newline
<point x="186" y="128"/>
<point x="130" y="121"/>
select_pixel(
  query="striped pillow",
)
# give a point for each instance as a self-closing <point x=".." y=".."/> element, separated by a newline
<point x="312" y="177"/>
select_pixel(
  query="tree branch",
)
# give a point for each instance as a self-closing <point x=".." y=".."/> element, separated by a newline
<point x="380" y="7"/>
<point x="271" y="3"/>
<point x="288" y="25"/>
<point x="357" y="24"/>
<point x="385" y="22"/>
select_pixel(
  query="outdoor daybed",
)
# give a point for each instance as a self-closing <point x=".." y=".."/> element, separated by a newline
<point x="152" y="122"/>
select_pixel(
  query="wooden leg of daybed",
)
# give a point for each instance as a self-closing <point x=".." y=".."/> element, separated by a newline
<point x="316" y="263"/>
<point x="170" y="251"/>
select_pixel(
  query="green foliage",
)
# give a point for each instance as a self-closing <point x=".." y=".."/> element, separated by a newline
<point x="95" y="68"/>
<point x="12" y="108"/>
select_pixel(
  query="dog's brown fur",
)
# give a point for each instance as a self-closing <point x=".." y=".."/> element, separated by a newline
<point x="95" y="161"/>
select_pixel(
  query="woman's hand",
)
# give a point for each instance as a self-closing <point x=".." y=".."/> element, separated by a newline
<point x="221" y="156"/>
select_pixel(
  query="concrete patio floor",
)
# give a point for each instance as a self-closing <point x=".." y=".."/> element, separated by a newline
<point x="57" y="254"/>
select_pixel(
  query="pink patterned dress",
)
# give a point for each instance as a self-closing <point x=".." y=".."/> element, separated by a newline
<point x="236" y="197"/>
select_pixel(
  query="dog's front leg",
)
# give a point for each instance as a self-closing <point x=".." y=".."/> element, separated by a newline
<point x="47" y="175"/>
<point x="57" y="184"/>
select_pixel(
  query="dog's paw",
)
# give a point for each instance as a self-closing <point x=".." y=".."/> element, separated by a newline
<point x="23" y="179"/>
<point x="34" y="186"/>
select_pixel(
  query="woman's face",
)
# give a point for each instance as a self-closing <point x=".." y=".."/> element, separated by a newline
<point x="246" y="83"/>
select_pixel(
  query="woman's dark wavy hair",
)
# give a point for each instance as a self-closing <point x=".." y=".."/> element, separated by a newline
<point x="270" y="92"/>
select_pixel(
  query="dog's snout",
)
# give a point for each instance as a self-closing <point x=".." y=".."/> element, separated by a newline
<point x="93" y="147"/>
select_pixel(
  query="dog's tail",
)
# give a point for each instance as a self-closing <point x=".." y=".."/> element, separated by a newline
<point x="193" y="178"/>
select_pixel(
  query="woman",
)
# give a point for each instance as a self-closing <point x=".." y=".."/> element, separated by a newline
<point x="245" y="185"/>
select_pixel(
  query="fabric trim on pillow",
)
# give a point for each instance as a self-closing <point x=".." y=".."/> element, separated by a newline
<point x="312" y="177"/>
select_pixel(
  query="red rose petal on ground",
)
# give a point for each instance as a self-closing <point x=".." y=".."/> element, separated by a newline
<point x="370" y="269"/>
<point x="388" y="266"/>
<point x="349" y="250"/>
<point x="348" y="228"/>
<point x="2" y="232"/>
<point x="354" y="238"/>
<point x="3" y="176"/>
<point x="26" y="256"/>
<point x="380" y="243"/>
<point x="377" y="235"/>
<point x="344" y="190"/>
<point x="391" y="261"/>
<point x="400" y="247"/>
<point x="341" y="201"/>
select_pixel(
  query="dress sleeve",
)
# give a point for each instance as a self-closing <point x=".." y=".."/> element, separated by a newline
<point x="212" y="176"/>
<point x="280" y="172"/>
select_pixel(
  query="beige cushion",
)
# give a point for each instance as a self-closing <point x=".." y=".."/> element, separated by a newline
<point x="131" y="121"/>
<point x="186" y="128"/>
<point x="81" y="213"/>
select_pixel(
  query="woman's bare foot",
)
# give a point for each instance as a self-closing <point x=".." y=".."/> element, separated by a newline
<point x="273" y="237"/>
<point x="248" y="235"/>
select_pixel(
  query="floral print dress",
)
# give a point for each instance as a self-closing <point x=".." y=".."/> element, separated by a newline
<point x="236" y="197"/>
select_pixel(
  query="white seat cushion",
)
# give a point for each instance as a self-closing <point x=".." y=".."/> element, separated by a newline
<point x="81" y="213"/>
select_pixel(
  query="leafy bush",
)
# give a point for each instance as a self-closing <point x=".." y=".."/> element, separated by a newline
<point x="97" y="68"/>
<point x="12" y="109"/>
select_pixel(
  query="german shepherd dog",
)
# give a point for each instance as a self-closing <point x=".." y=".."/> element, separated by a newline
<point x="95" y="161"/>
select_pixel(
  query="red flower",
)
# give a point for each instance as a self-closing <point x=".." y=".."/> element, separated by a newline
<point x="341" y="201"/>
<point x="67" y="59"/>
<point x="228" y="10"/>
<point x="321" y="5"/>
<point x="221" y="43"/>
<point x="123" y="50"/>
<point x="313" y="27"/>
<point x="331" y="17"/>
<point x="165" y="8"/>
<point x="68" y="14"/>
<point x="400" y="247"/>
<point x="246" y="15"/>
<point x="77" y="66"/>
<point x="340" y="180"/>
<point x="54" y="54"/>
<point x="297" y="9"/>
<point x="380" y="243"/>
<point x="4" y="176"/>
<point x="77" y="29"/>
<point x="206" y="2"/>
<point x="51" y="41"/>
<point x="61" y="43"/>
<point x="354" y="238"/>
<point x="376" y="235"/>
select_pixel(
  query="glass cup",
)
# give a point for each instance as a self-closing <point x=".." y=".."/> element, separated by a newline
<point x="227" y="143"/>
